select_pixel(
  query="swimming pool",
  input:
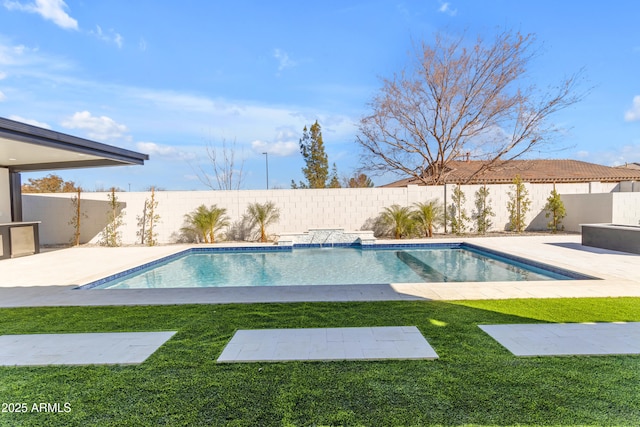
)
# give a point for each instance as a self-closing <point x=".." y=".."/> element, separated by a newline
<point x="380" y="264"/>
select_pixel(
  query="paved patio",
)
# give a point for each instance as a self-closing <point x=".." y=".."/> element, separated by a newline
<point x="49" y="279"/>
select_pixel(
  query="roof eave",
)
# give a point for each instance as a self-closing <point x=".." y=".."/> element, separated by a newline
<point x="18" y="131"/>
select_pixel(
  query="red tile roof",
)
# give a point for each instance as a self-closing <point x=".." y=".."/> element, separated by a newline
<point x="557" y="171"/>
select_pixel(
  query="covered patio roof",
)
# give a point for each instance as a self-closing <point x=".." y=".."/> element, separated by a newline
<point x="26" y="148"/>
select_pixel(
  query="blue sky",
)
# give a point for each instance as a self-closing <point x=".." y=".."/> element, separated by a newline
<point x="168" y="78"/>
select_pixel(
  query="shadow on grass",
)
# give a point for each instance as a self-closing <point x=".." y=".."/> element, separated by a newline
<point x="475" y="381"/>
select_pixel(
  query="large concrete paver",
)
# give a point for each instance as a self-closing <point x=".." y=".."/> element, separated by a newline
<point x="80" y="349"/>
<point x="374" y="343"/>
<point x="563" y="339"/>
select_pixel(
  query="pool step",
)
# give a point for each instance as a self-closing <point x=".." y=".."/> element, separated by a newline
<point x="425" y="271"/>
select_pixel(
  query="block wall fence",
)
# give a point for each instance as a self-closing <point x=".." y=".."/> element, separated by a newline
<point x="300" y="210"/>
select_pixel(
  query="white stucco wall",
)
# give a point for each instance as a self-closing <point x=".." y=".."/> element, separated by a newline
<point x="5" y="197"/>
<point x="587" y="209"/>
<point x="301" y="210"/>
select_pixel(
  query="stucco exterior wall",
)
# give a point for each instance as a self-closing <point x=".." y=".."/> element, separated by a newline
<point x="587" y="209"/>
<point x="301" y="210"/>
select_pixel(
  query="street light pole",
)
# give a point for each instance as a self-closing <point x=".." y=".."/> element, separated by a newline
<point x="266" y="159"/>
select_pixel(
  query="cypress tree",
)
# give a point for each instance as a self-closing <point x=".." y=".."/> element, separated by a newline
<point x="316" y="170"/>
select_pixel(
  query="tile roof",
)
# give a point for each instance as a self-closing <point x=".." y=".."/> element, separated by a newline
<point x="459" y="171"/>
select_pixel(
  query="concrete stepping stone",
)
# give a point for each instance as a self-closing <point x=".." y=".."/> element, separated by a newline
<point x="80" y="349"/>
<point x="564" y="339"/>
<point x="323" y="344"/>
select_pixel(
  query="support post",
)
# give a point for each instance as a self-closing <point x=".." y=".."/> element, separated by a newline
<point x="15" y="195"/>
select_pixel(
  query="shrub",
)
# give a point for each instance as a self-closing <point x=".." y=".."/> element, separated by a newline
<point x="555" y="209"/>
<point x="148" y="220"/>
<point x="518" y="205"/>
<point x="240" y="229"/>
<point x="111" y="235"/>
<point x="77" y="216"/>
<point x="483" y="211"/>
<point x="457" y="214"/>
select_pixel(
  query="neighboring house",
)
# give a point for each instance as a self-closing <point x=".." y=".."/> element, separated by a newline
<point x="635" y="165"/>
<point x="533" y="171"/>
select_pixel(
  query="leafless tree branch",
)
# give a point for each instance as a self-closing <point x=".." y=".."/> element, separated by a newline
<point x="222" y="162"/>
<point x="454" y="100"/>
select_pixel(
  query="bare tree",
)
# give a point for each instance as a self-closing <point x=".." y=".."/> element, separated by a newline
<point x="455" y="100"/>
<point x="222" y="160"/>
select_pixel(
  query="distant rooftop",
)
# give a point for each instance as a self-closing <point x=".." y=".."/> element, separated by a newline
<point x="538" y="171"/>
<point x="635" y="165"/>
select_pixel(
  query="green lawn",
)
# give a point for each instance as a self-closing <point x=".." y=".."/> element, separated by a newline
<point x="474" y="382"/>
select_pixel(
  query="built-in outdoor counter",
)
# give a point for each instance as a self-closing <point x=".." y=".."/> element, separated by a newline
<point x="19" y="239"/>
<point x="617" y="237"/>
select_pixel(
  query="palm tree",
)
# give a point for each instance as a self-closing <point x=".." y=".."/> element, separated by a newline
<point x="206" y="222"/>
<point x="216" y="220"/>
<point x="263" y="215"/>
<point x="195" y="223"/>
<point x="399" y="219"/>
<point x="427" y="215"/>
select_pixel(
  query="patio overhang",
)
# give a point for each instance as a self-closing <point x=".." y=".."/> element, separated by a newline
<point x="27" y="148"/>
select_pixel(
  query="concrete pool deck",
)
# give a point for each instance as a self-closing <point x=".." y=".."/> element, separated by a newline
<point x="49" y="278"/>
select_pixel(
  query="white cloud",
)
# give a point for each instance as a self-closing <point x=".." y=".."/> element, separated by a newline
<point x="3" y="75"/>
<point x="20" y="60"/>
<point x="615" y="155"/>
<point x="119" y="40"/>
<point x="171" y="100"/>
<point x="2" y="96"/>
<point x="582" y="154"/>
<point x="166" y="151"/>
<point x="633" y="115"/>
<point x="278" y="148"/>
<point x="142" y="45"/>
<point x="626" y="154"/>
<point x="100" y="128"/>
<point x="445" y="7"/>
<point x="284" y="144"/>
<point x="284" y="61"/>
<point x="110" y="36"/>
<point x="156" y="115"/>
<point x="51" y="10"/>
<point x="30" y="122"/>
<point x="11" y="55"/>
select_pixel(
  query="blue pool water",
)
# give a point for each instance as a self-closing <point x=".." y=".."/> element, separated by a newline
<point x="332" y="266"/>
